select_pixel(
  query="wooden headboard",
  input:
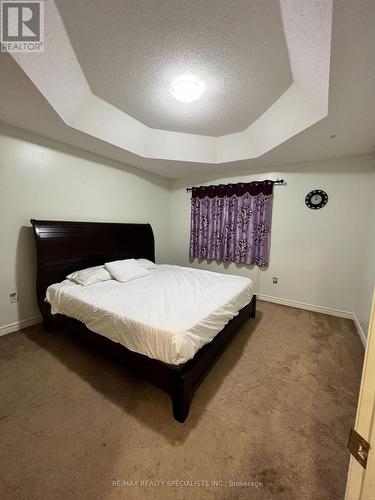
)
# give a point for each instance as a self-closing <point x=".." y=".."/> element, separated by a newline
<point x="63" y="247"/>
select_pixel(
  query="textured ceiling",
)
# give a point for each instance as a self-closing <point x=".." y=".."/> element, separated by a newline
<point x="307" y="27"/>
<point x="131" y="52"/>
<point x="351" y="113"/>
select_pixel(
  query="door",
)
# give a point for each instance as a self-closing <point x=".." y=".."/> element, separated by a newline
<point x="361" y="482"/>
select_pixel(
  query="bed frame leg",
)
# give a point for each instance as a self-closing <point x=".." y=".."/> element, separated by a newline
<point x="47" y="326"/>
<point x="254" y="306"/>
<point x="49" y="323"/>
<point x="181" y="399"/>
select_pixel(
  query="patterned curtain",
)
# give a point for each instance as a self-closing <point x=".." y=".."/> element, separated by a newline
<point x="232" y="222"/>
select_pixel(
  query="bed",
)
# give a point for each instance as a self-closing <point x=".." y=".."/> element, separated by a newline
<point x="169" y="327"/>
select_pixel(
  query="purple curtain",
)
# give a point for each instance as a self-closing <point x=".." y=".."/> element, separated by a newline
<point x="232" y="222"/>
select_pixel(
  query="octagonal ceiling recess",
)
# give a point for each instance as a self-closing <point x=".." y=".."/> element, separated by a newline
<point x="236" y="48"/>
<point x="256" y="95"/>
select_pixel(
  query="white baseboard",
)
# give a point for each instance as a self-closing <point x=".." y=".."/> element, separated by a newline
<point x="308" y="307"/>
<point x="18" y="325"/>
<point x="360" y="331"/>
<point x="320" y="309"/>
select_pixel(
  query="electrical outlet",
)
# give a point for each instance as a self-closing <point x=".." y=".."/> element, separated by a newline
<point x="274" y="280"/>
<point x="13" y="297"/>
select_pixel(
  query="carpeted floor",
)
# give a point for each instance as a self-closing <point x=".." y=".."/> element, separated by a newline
<point x="276" y="409"/>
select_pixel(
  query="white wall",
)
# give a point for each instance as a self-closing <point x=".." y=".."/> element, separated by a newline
<point x="367" y="270"/>
<point x="321" y="258"/>
<point x="46" y="180"/>
<point x="317" y="256"/>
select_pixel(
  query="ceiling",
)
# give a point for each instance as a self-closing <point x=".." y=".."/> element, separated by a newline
<point x="350" y="114"/>
<point x="131" y="52"/>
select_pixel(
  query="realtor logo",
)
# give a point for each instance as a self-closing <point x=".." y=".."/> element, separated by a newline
<point x="22" y="26"/>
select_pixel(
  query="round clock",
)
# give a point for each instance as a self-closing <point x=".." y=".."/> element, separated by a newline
<point x="316" y="199"/>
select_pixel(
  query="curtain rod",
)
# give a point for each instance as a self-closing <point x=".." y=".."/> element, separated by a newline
<point x="279" y="181"/>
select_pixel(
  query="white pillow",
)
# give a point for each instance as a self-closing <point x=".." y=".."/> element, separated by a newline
<point x="147" y="264"/>
<point x="90" y="275"/>
<point x="126" y="270"/>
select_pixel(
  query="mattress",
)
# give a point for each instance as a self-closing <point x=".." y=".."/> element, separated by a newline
<point x="168" y="315"/>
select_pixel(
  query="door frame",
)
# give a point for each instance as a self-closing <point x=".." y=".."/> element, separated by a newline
<point x="361" y="482"/>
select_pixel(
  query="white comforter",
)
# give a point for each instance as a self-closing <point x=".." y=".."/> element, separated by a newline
<point x="167" y="315"/>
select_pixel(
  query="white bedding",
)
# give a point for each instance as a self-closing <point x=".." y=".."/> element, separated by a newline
<point x="168" y="315"/>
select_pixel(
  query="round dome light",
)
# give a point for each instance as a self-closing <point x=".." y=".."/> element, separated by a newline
<point x="187" y="90"/>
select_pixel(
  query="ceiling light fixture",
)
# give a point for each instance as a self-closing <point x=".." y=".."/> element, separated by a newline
<point x="187" y="90"/>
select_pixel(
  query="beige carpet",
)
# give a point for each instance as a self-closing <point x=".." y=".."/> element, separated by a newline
<point x="276" y="409"/>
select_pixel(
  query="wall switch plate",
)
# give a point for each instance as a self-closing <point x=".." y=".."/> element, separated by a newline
<point x="13" y="297"/>
<point x="274" y="280"/>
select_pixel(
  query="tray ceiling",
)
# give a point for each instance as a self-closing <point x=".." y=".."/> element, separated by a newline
<point x="294" y="127"/>
<point x="131" y="52"/>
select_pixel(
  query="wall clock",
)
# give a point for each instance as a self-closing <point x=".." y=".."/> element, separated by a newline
<point x="316" y="199"/>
